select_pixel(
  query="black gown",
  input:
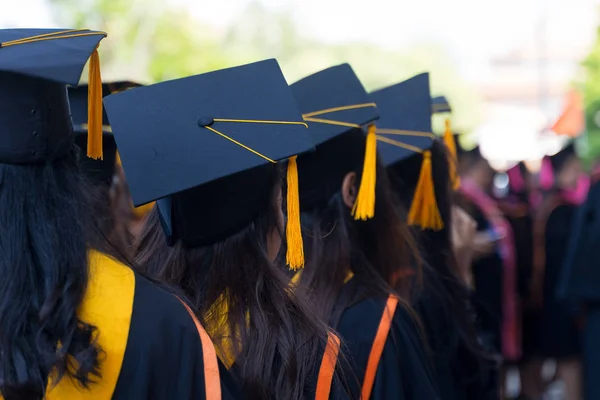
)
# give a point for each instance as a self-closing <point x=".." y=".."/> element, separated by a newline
<point x="151" y="344"/>
<point x="518" y="215"/>
<point x="580" y="285"/>
<point x="488" y="275"/>
<point x="460" y="374"/>
<point x="560" y="335"/>
<point x="403" y="371"/>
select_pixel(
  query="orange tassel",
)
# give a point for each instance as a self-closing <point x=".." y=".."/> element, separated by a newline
<point x="453" y="158"/>
<point x="424" y="210"/>
<point x="94" y="145"/>
<point x="293" y="231"/>
<point x="364" y="207"/>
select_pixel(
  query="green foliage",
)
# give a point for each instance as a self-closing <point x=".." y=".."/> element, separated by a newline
<point x="591" y="96"/>
<point x="153" y="42"/>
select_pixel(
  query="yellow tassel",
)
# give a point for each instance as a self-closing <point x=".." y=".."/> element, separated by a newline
<point x="424" y="211"/>
<point x="141" y="211"/>
<point x="118" y="162"/>
<point x="453" y="159"/>
<point x="94" y="145"/>
<point x="293" y="232"/>
<point x="364" y="207"/>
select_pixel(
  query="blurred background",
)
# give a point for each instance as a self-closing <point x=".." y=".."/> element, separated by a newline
<point x="515" y="72"/>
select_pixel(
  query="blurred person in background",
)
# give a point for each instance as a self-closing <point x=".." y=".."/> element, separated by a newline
<point x="419" y="166"/>
<point x="494" y="260"/>
<point x="559" y="338"/>
<point x="516" y="206"/>
<point x="580" y="283"/>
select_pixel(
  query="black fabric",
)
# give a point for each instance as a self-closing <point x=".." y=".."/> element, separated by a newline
<point x="165" y="147"/>
<point x="163" y="359"/>
<point x="591" y="351"/>
<point x="34" y="116"/>
<point x="487" y="276"/>
<point x="216" y="186"/>
<point x="98" y="171"/>
<point x="199" y="217"/>
<point x="34" y="110"/>
<point x="560" y="334"/>
<point x="404" y="371"/>
<point x="459" y="373"/>
<point x="320" y="173"/>
<point x="337" y="86"/>
<point x="404" y="106"/>
<point x="581" y="272"/>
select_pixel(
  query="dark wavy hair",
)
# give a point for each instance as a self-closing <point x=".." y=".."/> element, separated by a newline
<point x="110" y="207"/>
<point x="44" y="238"/>
<point x="279" y="340"/>
<point x="379" y="252"/>
<point x="441" y="282"/>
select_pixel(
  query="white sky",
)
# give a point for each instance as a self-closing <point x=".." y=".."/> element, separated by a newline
<point x="472" y="30"/>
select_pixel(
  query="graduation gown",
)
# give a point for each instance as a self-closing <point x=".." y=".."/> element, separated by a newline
<point x="153" y="348"/>
<point x="401" y="370"/>
<point x="580" y="285"/>
<point x="519" y="216"/>
<point x="560" y="335"/>
<point x="460" y="374"/>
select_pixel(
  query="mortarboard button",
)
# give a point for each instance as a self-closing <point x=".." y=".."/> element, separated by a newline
<point x="205" y="121"/>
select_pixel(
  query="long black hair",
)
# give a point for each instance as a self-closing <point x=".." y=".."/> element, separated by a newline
<point x="379" y="251"/>
<point x="243" y="299"/>
<point x="441" y="283"/>
<point x="44" y="239"/>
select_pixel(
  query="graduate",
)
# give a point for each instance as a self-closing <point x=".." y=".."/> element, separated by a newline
<point x="76" y="324"/>
<point x="559" y="338"/>
<point x="422" y="170"/>
<point x="213" y="157"/>
<point x="517" y="205"/>
<point x="358" y="250"/>
<point x="494" y="263"/>
<point x="108" y="188"/>
<point x="579" y="285"/>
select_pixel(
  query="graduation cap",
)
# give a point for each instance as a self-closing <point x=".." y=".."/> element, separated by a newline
<point x="209" y="149"/>
<point x="35" y="66"/>
<point x="440" y="105"/>
<point x="403" y="130"/>
<point x="336" y="106"/>
<point x="98" y="171"/>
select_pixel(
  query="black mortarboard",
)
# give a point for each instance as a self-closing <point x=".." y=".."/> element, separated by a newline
<point x="35" y="67"/>
<point x="440" y="104"/>
<point x="98" y="171"/>
<point x="404" y="127"/>
<point x="404" y="130"/>
<point x="206" y="145"/>
<point x="336" y="106"/>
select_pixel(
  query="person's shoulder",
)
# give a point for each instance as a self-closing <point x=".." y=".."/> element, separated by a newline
<point x="153" y="306"/>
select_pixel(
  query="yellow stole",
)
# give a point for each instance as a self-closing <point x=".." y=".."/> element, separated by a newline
<point x="108" y="305"/>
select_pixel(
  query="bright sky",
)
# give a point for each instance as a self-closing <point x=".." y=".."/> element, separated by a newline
<point x="472" y="30"/>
